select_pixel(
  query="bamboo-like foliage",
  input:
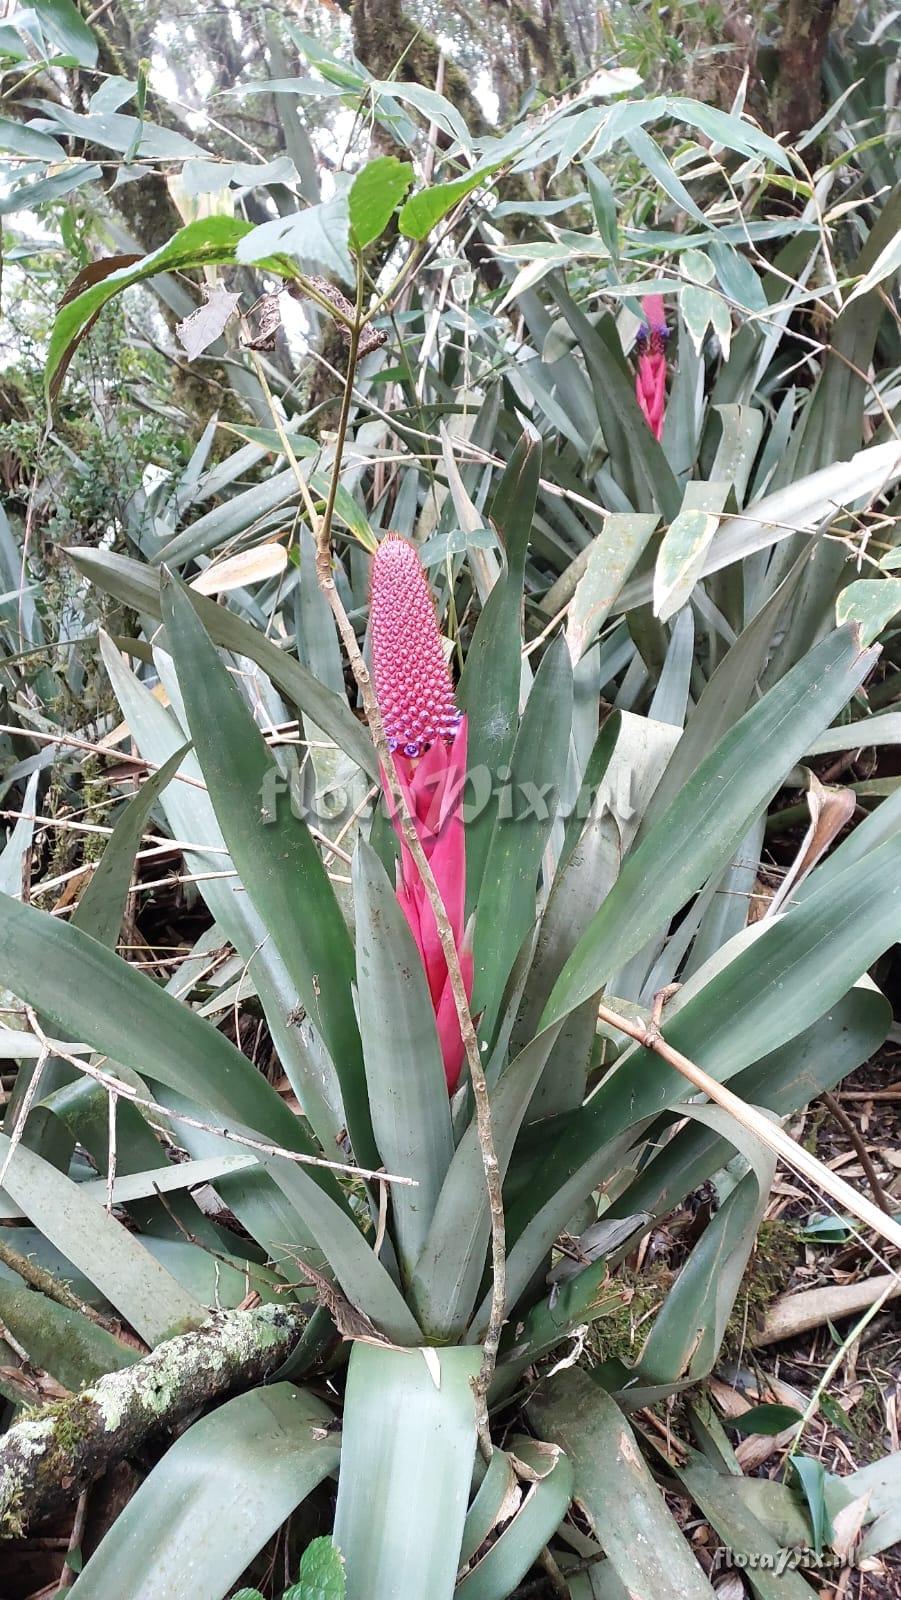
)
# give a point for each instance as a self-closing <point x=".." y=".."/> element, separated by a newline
<point x="655" y="636"/>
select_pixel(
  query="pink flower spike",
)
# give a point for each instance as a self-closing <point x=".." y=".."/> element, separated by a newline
<point x="650" y="380"/>
<point x="427" y="737"/>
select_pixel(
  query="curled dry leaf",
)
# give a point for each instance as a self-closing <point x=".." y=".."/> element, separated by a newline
<point x="205" y="325"/>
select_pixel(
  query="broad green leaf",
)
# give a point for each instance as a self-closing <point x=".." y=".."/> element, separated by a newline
<point x="611" y="556"/>
<point x="128" y="134"/>
<point x="490" y="1496"/>
<point x="812" y="1477"/>
<point x="428" y="103"/>
<point x="317" y="238"/>
<point x="687" y="1332"/>
<point x="273" y="851"/>
<point x="871" y="603"/>
<point x="506" y="905"/>
<point x="777" y="984"/>
<point x="805" y="505"/>
<point x="684" y="546"/>
<point x="259" y="1455"/>
<point x="422" y="211"/>
<point x="62" y="22"/>
<point x="724" y="128"/>
<point x="546" y="1502"/>
<point x="375" y="194"/>
<point x="191" y="818"/>
<point x="202" y="243"/>
<point x="652" y="157"/>
<point x="769" y="1418"/>
<point x="698" y="833"/>
<point x="614" y="1488"/>
<point x="404" y="1070"/>
<point x="143" y="1292"/>
<point x="93" y="995"/>
<point x="783" y="1081"/>
<point x="726" y="695"/>
<point x="97" y="997"/>
<point x="406" y="1461"/>
<point x="137" y="585"/>
<point x="489" y="686"/>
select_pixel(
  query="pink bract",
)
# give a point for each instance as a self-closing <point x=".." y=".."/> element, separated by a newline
<point x="650" y="381"/>
<point x="427" y="736"/>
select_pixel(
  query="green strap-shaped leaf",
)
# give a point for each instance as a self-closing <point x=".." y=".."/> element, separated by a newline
<point x="147" y="1296"/>
<point x="545" y="1504"/>
<point x="489" y="687"/>
<point x="404" y="1071"/>
<point x="720" y="1498"/>
<point x="687" y="1332"/>
<point x="259" y="1456"/>
<point x="614" y="1487"/>
<point x="450" y="1269"/>
<point x="709" y="816"/>
<point x="102" y="905"/>
<point x="61" y="1341"/>
<point x="406" y="1463"/>
<point x="137" y="585"/>
<point x="273" y="851"/>
<point x="94" y="996"/>
<point x="506" y="906"/>
<point x="775" y="987"/>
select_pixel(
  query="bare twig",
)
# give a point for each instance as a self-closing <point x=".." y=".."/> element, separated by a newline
<point x="118" y="1086"/>
<point x="863" y="1154"/>
<point x="768" y="1132"/>
<point x="68" y="1575"/>
<point x="321" y="528"/>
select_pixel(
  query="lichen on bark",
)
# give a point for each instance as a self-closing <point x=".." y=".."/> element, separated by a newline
<point x="47" y="1459"/>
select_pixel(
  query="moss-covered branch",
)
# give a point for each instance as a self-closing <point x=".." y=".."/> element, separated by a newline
<point x="48" y="1459"/>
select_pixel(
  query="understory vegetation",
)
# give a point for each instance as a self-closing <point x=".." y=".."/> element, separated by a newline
<point x="450" y="864"/>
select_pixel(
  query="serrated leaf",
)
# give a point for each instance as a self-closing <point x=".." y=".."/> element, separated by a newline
<point x="321" y="1573"/>
<point x="422" y="211"/>
<point x="375" y="194"/>
<point x="317" y="238"/>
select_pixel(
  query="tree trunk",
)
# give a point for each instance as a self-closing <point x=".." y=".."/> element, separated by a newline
<point x="798" y="90"/>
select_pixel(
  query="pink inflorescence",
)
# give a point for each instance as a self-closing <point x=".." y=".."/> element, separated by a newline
<point x="427" y="736"/>
<point x="650" y="381"/>
<point x="413" y="685"/>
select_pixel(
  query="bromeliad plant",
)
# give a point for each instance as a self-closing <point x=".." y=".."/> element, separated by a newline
<point x="481" y="1037"/>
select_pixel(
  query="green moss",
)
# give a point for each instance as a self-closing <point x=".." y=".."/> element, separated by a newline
<point x="634" y="1299"/>
<point x="776" y="1250"/>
